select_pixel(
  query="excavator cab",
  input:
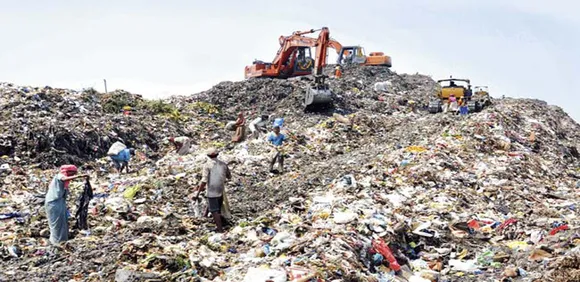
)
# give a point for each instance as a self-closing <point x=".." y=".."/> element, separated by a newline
<point x="301" y="62"/>
<point x="356" y="55"/>
<point x="351" y="55"/>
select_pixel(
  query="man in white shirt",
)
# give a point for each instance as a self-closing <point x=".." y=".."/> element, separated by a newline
<point x="214" y="176"/>
<point x="258" y="125"/>
<point x="182" y="144"/>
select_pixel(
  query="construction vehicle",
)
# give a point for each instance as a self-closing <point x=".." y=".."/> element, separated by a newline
<point x="294" y="59"/>
<point x="481" y="91"/>
<point x="294" y="56"/>
<point x="481" y="94"/>
<point x="461" y="90"/>
<point x="356" y="55"/>
<point x="319" y="94"/>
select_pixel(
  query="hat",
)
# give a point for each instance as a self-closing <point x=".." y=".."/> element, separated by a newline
<point x="212" y="152"/>
<point x="68" y="169"/>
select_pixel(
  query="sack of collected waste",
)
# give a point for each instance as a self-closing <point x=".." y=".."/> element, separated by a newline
<point x="116" y="149"/>
<point x="231" y="126"/>
<point x="225" y="211"/>
<point x="279" y="122"/>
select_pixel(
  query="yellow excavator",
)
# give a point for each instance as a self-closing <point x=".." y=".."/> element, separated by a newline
<point x="460" y="89"/>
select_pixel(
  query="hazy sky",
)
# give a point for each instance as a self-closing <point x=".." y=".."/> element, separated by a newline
<point x="521" y="48"/>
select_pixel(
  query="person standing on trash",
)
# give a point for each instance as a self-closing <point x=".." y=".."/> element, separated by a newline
<point x="412" y="106"/>
<point x="240" y="128"/>
<point x="276" y="139"/>
<point x="337" y="72"/>
<point x="121" y="160"/>
<point x="214" y="176"/>
<point x="182" y="144"/>
<point x="55" y="202"/>
<point x="452" y="103"/>
<point x="258" y="125"/>
<point x="463" y="108"/>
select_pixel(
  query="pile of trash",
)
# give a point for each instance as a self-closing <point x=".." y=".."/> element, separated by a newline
<point x="371" y="192"/>
<point x="50" y="127"/>
<point x="369" y="89"/>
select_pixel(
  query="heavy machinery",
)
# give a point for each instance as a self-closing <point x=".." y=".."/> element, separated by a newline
<point x="481" y="91"/>
<point x="481" y="95"/>
<point x="294" y="56"/>
<point x="319" y="94"/>
<point x="356" y="55"/>
<point x="460" y="89"/>
<point x="294" y="59"/>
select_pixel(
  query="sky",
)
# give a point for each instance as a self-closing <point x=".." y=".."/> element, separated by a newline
<point x="519" y="48"/>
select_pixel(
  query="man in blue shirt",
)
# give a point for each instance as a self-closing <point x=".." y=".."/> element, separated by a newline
<point x="277" y="140"/>
<point x="121" y="160"/>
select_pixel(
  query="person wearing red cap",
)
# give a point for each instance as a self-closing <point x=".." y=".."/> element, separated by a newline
<point x="55" y="202"/>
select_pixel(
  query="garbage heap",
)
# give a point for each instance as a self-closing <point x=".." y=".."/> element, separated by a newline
<point x="50" y="127"/>
<point x="371" y="192"/>
<point x="369" y="89"/>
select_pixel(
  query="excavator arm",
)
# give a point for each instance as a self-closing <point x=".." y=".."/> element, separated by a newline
<point x="319" y="92"/>
<point x="283" y="64"/>
<point x="322" y="44"/>
<point x="288" y="44"/>
<point x="286" y="59"/>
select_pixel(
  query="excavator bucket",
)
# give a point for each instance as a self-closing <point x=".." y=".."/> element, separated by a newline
<point x="318" y="95"/>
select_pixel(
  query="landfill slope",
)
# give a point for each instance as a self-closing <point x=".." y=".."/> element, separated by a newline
<point x="477" y="198"/>
<point x="49" y="127"/>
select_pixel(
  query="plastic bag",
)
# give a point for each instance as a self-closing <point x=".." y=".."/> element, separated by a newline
<point x="279" y="122"/>
<point x="131" y="192"/>
<point x="265" y="274"/>
<point x="382" y="86"/>
<point x="116" y="149"/>
<point x="230" y="126"/>
<point x="225" y="211"/>
<point x="197" y="207"/>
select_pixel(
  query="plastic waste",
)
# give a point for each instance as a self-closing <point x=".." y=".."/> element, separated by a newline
<point x="197" y="208"/>
<point x="117" y="204"/>
<point x="264" y="275"/>
<point x="382" y="86"/>
<point x="381" y="247"/>
<point x="465" y="266"/>
<point x="558" y="229"/>
<point x="344" y="217"/>
<point x="269" y="231"/>
<point x="278" y="122"/>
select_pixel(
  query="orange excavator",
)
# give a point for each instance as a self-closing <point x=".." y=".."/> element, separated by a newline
<point x="294" y="59"/>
